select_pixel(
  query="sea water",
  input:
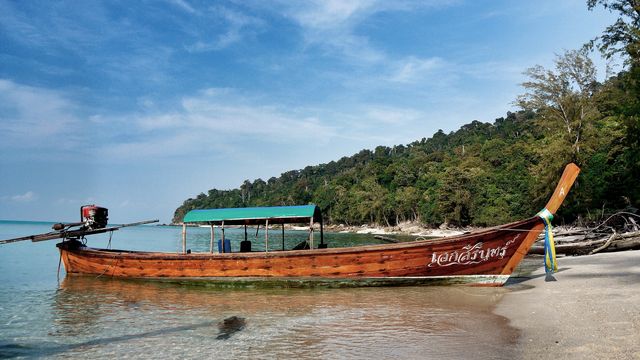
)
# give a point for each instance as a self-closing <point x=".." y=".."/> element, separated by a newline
<point x="44" y="313"/>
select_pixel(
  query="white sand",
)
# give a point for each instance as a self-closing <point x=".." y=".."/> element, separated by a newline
<point x="592" y="311"/>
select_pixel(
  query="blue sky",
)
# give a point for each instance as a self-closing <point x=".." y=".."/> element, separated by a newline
<point x="138" y="105"/>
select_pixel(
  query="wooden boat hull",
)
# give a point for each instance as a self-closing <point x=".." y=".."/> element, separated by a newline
<point x="484" y="258"/>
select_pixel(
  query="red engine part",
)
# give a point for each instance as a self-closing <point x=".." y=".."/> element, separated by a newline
<point x="94" y="217"/>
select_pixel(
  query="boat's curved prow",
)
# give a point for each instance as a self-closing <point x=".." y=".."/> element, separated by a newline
<point x="569" y="176"/>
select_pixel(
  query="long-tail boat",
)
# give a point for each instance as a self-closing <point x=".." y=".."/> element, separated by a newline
<point x="486" y="257"/>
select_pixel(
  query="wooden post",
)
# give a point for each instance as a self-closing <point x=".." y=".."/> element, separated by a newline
<point x="213" y="238"/>
<point x="266" y="236"/>
<point x="321" y="233"/>
<point x="184" y="238"/>
<point x="245" y="232"/>
<point x="282" y="236"/>
<point x="222" y="248"/>
<point x="311" y="234"/>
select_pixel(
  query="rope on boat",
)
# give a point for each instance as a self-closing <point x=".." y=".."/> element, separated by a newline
<point x="112" y="266"/>
<point x="550" y="263"/>
<point x="59" y="263"/>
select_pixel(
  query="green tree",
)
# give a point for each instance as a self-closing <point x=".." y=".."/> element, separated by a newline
<point x="455" y="196"/>
<point x="563" y="98"/>
<point x="407" y="201"/>
<point x="623" y="36"/>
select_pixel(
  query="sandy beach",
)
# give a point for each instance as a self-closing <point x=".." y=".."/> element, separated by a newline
<point x="592" y="311"/>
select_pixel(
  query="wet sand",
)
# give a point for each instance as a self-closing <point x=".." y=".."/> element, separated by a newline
<point x="592" y="311"/>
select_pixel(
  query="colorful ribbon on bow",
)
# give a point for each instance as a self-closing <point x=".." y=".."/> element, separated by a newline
<point x="550" y="264"/>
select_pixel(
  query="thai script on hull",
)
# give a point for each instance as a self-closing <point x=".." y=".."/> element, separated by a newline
<point x="471" y="254"/>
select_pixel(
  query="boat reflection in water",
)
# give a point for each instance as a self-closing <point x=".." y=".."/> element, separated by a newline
<point x="105" y="316"/>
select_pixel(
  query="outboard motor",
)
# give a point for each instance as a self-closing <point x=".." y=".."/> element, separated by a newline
<point x="94" y="217"/>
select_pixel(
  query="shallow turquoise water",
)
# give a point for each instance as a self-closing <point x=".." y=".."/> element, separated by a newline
<point x="46" y="315"/>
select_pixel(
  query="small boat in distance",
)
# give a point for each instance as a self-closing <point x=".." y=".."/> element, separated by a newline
<point x="486" y="257"/>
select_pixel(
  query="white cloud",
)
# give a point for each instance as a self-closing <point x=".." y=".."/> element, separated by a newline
<point x="238" y="25"/>
<point x="392" y="115"/>
<point x="217" y="120"/>
<point x="331" y="24"/>
<point x="223" y="121"/>
<point x="29" y="196"/>
<point x="184" y="5"/>
<point x="225" y="112"/>
<point x="76" y="201"/>
<point x="31" y="115"/>
<point x="158" y="146"/>
<point x="334" y="14"/>
<point x="331" y="14"/>
<point x="211" y="121"/>
<point x="414" y="69"/>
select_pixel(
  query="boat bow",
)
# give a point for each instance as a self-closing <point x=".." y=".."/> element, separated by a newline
<point x="567" y="179"/>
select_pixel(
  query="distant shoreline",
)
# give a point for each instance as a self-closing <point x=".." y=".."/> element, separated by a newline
<point x="407" y="228"/>
<point x="403" y="229"/>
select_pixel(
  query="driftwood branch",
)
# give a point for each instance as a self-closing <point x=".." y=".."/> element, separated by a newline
<point x="387" y="239"/>
<point x="619" y="231"/>
<point x="605" y="245"/>
<point x="614" y="242"/>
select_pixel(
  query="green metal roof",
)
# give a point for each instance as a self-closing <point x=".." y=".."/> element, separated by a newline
<point x="256" y="215"/>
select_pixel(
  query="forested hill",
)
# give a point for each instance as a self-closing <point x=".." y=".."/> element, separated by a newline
<point x="482" y="174"/>
<point x="486" y="174"/>
<point x="479" y="174"/>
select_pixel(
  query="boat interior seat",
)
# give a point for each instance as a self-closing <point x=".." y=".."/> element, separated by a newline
<point x="245" y="246"/>
<point x="302" y="246"/>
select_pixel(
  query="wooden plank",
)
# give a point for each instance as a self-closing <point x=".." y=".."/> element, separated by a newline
<point x="222" y="248"/>
<point x="184" y="238"/>
<point x="311" y="234"/>
<point x="213" y="238"/>
<point x="266" y="236"/>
